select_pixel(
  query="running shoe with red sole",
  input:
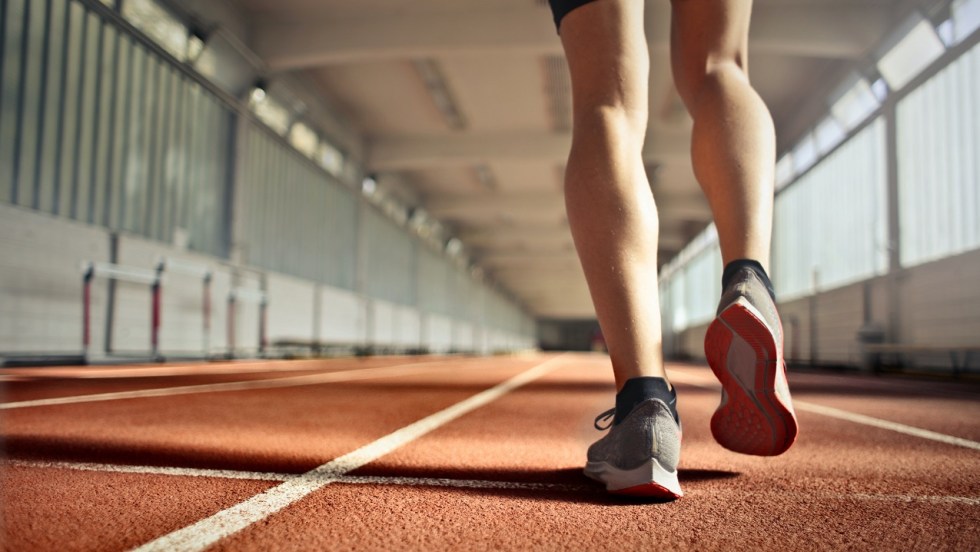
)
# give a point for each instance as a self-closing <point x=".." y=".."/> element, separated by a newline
<point x="744" y="348"/>
<point x="638" y="457"/>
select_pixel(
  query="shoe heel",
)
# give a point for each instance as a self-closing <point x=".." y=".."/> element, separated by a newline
<point x="742" y="352"/>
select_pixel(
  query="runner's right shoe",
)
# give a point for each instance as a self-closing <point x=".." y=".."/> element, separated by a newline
<point x="744" y="347"/>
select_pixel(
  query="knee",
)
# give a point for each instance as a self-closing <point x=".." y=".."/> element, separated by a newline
<point x="708" y="77"/>
<point x="612" y="119"/>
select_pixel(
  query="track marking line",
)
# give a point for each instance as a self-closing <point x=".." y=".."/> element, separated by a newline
<point x="881" y="497"/>
<point x="281" y="477"/>
<point x="273" y="383"/>
<point x="885" y="424"/>
<point x="442" y="482"/>
<point x="139" y="372"/>
<point x="150" y="470"/>
<point x="210" y="530"/>
<point x="846" y="415"/>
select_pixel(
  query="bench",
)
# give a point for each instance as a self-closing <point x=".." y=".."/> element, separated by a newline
<point x="960" y="356"/>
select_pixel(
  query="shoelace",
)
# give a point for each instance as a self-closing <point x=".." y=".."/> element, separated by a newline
<point x="608" y="415"/>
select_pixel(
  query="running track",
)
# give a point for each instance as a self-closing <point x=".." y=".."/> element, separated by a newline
<point x="435" y="453"/>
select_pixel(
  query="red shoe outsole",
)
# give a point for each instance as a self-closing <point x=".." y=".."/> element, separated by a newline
<point x="753" y="420"/>
<point x="648" y="490"/>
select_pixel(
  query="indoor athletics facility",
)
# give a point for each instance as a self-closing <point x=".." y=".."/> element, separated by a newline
<point x="297" y="275"/>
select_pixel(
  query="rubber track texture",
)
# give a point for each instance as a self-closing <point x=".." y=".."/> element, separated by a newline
<point x="742" y="352"/>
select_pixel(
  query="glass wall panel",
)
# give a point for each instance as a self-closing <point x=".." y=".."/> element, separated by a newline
<point x="703" y="285"/>
<point x="831" y="224"/>
<point x="295" y="219"/>
<point x="66" y="191"/>
<point x="98" y="126"/>
<point x="121" y="99"/>
<point x="432" y="276"/>
<point x="10" y="80"/>
<point x="88" y="74"/>
<point x="29" y="109"/>
<point x="390" y="254"/>
<point x="939" y="163"/>
<point x="49" y="154"/>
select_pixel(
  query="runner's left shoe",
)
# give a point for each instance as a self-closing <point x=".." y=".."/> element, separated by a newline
<point x="639" y="455"/>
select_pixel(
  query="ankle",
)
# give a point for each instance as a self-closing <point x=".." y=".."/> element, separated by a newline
<point x="640" y="389"/>
<point x="733" y="267"/>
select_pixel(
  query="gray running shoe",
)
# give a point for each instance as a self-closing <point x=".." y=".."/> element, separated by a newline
<point x="638" y="457"/>
<point x="744" y="346"/>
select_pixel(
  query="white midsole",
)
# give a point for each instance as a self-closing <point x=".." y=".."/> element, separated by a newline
<point x="649" y="472"/>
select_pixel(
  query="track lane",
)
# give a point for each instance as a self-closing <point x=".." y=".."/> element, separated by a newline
<point x="460" y="485"/>
<point x="37" y="384"/>
<point x="280" y="429"/>
<point x="247" y="514"/>
<point x="948" y="408"/>
<point x="841" y="486"/>
<point x="62" y="510"/>
<point x="285" y="430"/>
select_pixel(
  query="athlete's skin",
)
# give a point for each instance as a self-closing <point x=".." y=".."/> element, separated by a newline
<point x="610" y="207"/>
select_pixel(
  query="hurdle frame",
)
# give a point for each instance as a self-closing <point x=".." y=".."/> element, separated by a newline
<point x="121" y="273"/>
<point x="178" y="266"/>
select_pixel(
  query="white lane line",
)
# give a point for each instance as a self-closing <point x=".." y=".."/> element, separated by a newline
<point x="205" y="368"/>
<point x="934" y="499"/>
<point x="465" y="483"/>
<point x="280" y="477"/>
<point x="210" y="530"/>
<point x="881" y="497"/>
<point x="151" y="470"/>
<point x="273" y="383"/>
<point x="885" y="424"/>
<point x="845" y="415"/>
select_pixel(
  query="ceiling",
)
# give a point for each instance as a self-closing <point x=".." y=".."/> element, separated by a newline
<point x="489" y="162"/>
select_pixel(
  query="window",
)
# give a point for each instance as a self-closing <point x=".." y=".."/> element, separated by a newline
<point x="330" y="159"/>
<point x="804" y="154"/>
<point x="913" y="53"/>
<point x="303" y="139"/>
<point x="828" y="134"/>
<point x="269" y="111"/>
<point x="854" y="105"/>
<point x="784" y="170"/>
<point x="158" y="24"/>
<point x="966" y="18"/>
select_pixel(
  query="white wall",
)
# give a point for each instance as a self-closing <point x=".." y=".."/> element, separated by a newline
<point x="438" y="333"/>
<point x="938" y="304"/>
<point x="41" y="281"/>
<point x="343" y="316"/>
<point x="41" y="259"/>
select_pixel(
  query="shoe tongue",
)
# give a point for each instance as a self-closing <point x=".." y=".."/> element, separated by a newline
<point x="637" y="390"/>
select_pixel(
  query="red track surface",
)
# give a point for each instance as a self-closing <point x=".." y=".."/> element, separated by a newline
<point x="505" y="475"/>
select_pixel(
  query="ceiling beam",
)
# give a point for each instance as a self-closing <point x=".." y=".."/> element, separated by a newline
<point x="422" y="152"/>
<point x="529" y="259"/>
<point x="819" y="29"/>
<point x="490" y="234"/>
<point x="530" y="239"/>
<point x="832" y="29"/>
<point x="499" y="203"/>
<point x="410" y="35"/>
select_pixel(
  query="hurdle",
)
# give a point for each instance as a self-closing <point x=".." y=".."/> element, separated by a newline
<point x="247" y="295"/>
<point x="168" y="265"/>
<point x="121" y="273"/>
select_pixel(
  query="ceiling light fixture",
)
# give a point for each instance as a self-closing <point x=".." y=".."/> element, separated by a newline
<point x="439" y="90"/>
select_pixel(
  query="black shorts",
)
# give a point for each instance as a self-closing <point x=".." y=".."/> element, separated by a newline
<point x="560" y="8"/>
